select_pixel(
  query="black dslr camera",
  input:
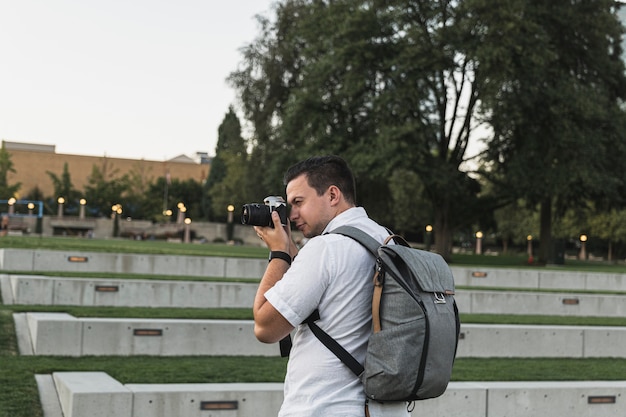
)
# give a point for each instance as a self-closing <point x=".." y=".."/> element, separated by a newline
<point x="256" y="214"/>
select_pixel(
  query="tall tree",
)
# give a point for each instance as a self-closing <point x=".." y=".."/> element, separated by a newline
<point x="230" y="160"/>
<point x="556" y="77"/>
<point x="387" y="89"/>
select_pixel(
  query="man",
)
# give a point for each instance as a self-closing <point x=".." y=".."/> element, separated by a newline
<point x="331" y="273"/>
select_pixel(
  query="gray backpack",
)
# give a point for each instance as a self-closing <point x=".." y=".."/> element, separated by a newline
<point x="415" y="323"/>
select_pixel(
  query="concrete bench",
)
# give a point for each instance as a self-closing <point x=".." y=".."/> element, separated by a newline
<point x="31" y="260"/>
<point x="534" y="341"/>
<point x="537" y="278"/>
<point x="62" y="334"/>
<point x="65" y="335"/>
<point x="79" y="398"/>
<point x="93" y="394"/>
<point x="541" y="303"/>
<point x="42" y="290"/>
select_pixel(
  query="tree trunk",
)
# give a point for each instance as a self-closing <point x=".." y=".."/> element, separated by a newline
<point x="546" y="248"/>
<point x="443" y="235"/>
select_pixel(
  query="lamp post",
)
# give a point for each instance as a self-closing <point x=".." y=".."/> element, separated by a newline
<point x="81" y="213"/>
<point x="229" y="225"/>
<point x="61" y="202"/>
<point x="583" y="247"/>
<point x="429" y="231"/>
<point x="11" y="204"/>
<point x="529" y="249"/>
<point x="116" y="210"/>
<point x="181" y="212"/>
<point x="31" y="207"/>
<point x="187" y="232"/>
<point x="479" y="242"/>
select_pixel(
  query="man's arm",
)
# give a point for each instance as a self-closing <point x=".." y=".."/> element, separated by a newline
<point x="269" y="325"/>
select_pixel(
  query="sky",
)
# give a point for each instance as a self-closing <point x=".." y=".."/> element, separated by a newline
<point x="137" y="79"/>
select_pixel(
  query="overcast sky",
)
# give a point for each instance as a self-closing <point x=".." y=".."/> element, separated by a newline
<point x="122" y="78"/>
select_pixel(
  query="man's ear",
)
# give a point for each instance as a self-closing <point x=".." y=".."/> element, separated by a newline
<point x="335" y="195"/>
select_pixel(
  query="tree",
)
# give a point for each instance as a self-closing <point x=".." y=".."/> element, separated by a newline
<point x="227" y="168"/>
<point x="104" y="189"/>
<point x="136" y="201"/>
<point x="388" y="88"/>
<point x="229" y="190"/>
<point x="555" y="80"/>
<point x="6" y="165"/>
<point x="515" y="222"/>
<point x="63" y="187"/>
<point x="611" y="226"/>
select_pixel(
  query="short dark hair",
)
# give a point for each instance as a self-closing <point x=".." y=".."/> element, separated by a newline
<point x="324" y="171"/>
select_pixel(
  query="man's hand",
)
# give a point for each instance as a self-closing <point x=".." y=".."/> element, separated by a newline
<point x="277" y="238"/>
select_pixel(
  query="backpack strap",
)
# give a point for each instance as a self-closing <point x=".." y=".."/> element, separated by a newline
<point x="360" y="236"/>
<point x="333" y="345"/>
<point x="285" y="344"/>
<point x="379" y="276"/>
<point x="372" y="245"/>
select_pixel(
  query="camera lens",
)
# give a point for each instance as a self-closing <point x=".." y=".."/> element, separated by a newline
<point x="256" y="215"/>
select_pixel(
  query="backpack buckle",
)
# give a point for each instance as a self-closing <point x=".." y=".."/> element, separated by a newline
<point x="440" y="298"/>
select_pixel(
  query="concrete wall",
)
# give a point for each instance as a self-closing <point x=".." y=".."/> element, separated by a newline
<point x="537" y="278"/>
<point x="541" y="303"/>
<point x="32" y="289"/>
<point x="65" y="335"/>
<point x="62" y="334"/>
<point x="42" y="290"/>
<point x="125" y="263"/>
<point x="521" y="278"/>
<point x="95" y="394"/>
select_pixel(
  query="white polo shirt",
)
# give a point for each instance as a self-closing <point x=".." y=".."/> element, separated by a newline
<point x="332" y="273"/>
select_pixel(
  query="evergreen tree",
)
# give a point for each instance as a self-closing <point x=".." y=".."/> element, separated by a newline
<point x="6" y="166"/>
<point x="230" y="157"/>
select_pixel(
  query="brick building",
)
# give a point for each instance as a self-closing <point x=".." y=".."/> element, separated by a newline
<point x="32" y="162"/>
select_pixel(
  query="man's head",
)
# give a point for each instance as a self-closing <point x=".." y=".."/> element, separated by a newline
<point x="318" y="189"/>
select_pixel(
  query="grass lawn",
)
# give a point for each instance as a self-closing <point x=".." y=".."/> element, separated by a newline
<point x="19" y="398"/>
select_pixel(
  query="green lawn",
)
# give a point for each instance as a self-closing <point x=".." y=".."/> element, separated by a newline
<point x="19" y="398"/>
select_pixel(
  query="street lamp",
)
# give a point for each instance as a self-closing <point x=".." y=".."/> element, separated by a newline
<point x="60" y="201"/>
<point x="583" y="247"/>
<point x="81" y="213"/>
<point x="187" y="232"/>
<point x="479" y="242"/>
<point x="31" y="207"/>
<point x="11" y="203"/>
<point x="181" y="212"/>
<point x="116" y="209"/>
<point x="429" y="230"/>
<point x="230" y="225"/>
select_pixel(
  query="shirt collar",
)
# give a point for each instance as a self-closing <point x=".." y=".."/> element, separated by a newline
<point x="346" y="217"/>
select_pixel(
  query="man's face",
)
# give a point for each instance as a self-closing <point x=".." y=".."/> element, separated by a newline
<point x="309" y="212"/>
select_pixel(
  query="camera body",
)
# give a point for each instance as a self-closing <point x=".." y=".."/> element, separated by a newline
<point x="255" y="214"/>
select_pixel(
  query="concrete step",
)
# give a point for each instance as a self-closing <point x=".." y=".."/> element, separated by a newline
<point x="31" y="260"/>
<point x="42" y="290"/>
<point x="96" y="394"/>
<point x="65" y="335"/>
